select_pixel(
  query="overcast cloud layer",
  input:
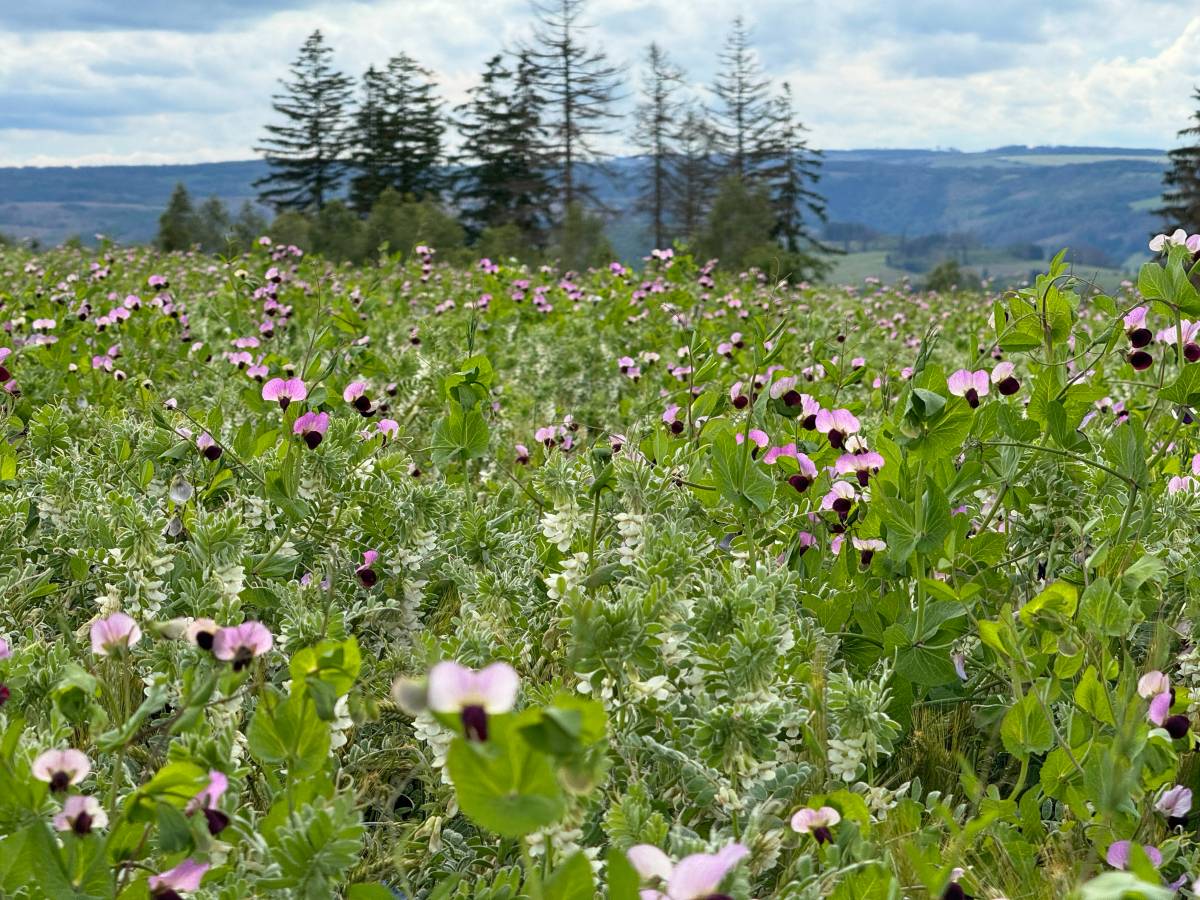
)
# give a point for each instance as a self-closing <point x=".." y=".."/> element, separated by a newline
<point x="155" y="81"/>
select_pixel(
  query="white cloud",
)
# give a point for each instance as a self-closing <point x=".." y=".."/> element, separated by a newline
<point x="864" y="72"/>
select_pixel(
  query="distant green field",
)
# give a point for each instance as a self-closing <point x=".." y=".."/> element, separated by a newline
<point x="853" y="268"/>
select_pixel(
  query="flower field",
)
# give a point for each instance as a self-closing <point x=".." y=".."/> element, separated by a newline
<point x="419" y="581"/>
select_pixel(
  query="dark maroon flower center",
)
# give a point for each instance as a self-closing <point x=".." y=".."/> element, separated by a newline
<point x="362" y="403"/>
<point x="972" y="396"/>
<point x="60" y="781"/>
<point x="676" y="427"/>
<point x="809" y="423"/>
<point x="312" y="439"/>
<point x="217" y="821"/>
<point x="865" y="556"/>
<point x="242" y="657"/>
<point x="792" y="398"/>
<point x="1009" y="386"/>
<point x="800" y="482"/>
<point x="1140" y="360"/>
<point x="1177" y="726"/>
<point x="1140" y="337"/>
<point x="4" y="694"/>
<point x="841" y="506"/>
<point x="474" y="720"/>
<point x="1191" y="351"/>
<point x="822" y="834"/>
<point x="82" y="824"/>
<point x="204" y="640"/>
<point x="212" y="453"/>
<point x="836" y="438"/>
<point x="367" y="577"/>
<point x="741" y="401"/>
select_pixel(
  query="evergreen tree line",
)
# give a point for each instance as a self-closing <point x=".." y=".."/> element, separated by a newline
<point x="1181" y="181"/>
<point x="353" y="166"/>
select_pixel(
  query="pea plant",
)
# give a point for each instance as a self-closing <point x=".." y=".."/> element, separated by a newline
<point x="410" y="580"/>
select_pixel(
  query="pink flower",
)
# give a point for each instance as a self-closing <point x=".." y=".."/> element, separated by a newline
<point x="284" y="392"/>
<point x="840" y="498"/>
<point x="1161" y="241"/>
<point x="837" y="425"/>
<point x="694" y="877"/>
<point x="522" y="457"/>
<point x="5" y="650"/>
<point x="757" y="436"/>
<point x="1152" y="684"/>
<point x="366" y="572"/>
<point x="867" y="548"/>
<point x="311" y="427"/>
<point x="242" y="643"/>
<point x="1118" y="854"/>
<point x="1175" y="803"/>
<point x="207" y="800"/>
<point x="81" y="814"/>
<point x="184" y="877"/>
<point x="970" y="385"/>
<point x="862" y="465"/>
<point x="208" y="448"/>
<point x="61" y="768"/>
<point x="115" y="632"/>
<point x="473" y="696"/>
<point x="356" y="395"/>
<point x="817" y="822"/>
<point x="1002" y="377"/>
<point x="671" y="419"/>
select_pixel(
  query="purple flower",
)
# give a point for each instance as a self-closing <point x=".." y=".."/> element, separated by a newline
<point x="969" y="385"/>
<point x="366" y="572"/>
<point x="454" y="688"/>
<point x="184" y="877"/>
<point x="1118" y="854"/>
<point x="284" y="392"/>
<point x="837" y="425"/>
<point x="356" y="395"/>
<point x="694" y="877"/>
<point x="80" y="814"/>
<point x="207" y="800"/>
<point x="1004" y="380"/>
<point x="1152" y="684"/>
<point x="817" y="822"/>
<point x="208" y="448"/>
<point x="61" y="768"/>
<point x="115" y="632"/>
<point x="242" y="643"/>
<point x="311" y="427"/>
<point x="1176" y="802"/>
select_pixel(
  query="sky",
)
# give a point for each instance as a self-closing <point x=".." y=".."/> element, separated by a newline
<point x="87" y="82"/>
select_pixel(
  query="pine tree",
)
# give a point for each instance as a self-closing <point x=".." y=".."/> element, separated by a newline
<point x="579" y="87"/>
<point x="398" y="132"/>
<point x="1181" y="194"/>
<point x="373" y="148"/>
<point x="693" y="172"/>
<point x="747" y="117"/>
<point x="177" y="226"/>
<point x="248" y="226"/>
<point x="791" y="169"/>
<point x="212" y="226"/>
<point x="656" y="121"/>
<point x="500" y="178"/>
<point x="307" y="153"/>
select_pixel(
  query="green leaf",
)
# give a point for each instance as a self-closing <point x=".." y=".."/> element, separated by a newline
<point x="459" y="436"/>
<point x="1092" y="696"/>
<point x="1025" y="729"/>
<point x="572" y="881"/>
<point x="289" y="732"/>
<point x="370" y="892"/>
<point x="1103" y="610"/>
<point x="1125" y="451"/>
<point x="739" y="478"/>
<point x="623" y="880"/>
<point x="504" y="784"/>
<point x="1056" y="601"/>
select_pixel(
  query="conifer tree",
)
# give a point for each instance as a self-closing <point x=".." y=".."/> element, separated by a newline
<point x="693" y="172"/>
<point x="177" y="225"/>
<point x="746" y="115"/>
<point x="579" y="87"/>
<point x="307" y="152"/>
<point x="791" y="170"/>
<point x="500" y="178"/>
<point x="1181" y="195"/>
<point x="398" y="134"/>
<point x="655" y="123"/>
<point x="212" y="226"/>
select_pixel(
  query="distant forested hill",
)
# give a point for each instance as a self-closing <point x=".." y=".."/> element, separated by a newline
<point x="1095" y="200"/>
